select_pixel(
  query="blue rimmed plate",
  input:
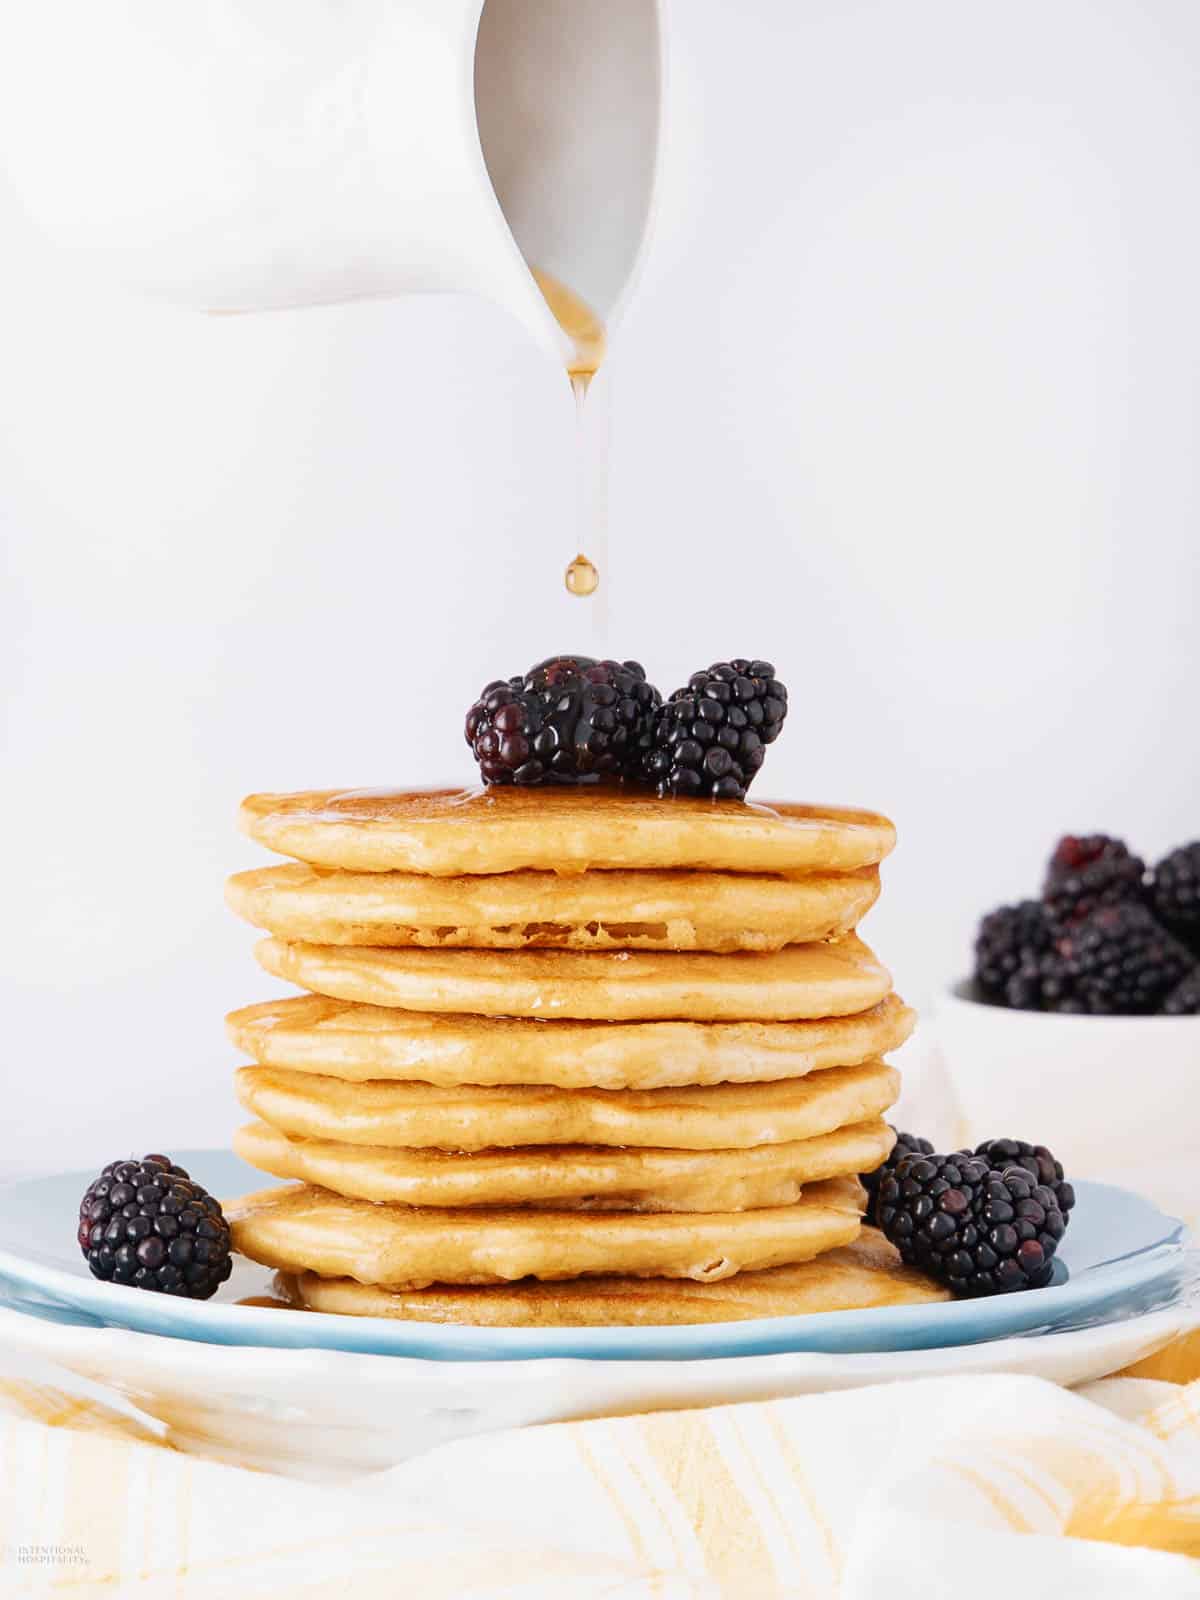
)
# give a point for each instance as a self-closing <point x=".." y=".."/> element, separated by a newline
<point x="1121" y="1257"/>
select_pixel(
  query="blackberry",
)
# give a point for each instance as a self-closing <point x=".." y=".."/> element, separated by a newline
<point x="146" y="1223"/>
<point x="1176" y="894"/>
<point x="1055" y="983"/>
<point x="1011" y="951"/>
<point x="907" y="1144"/>
<point x="569" y="720"/>
<point x="711" y="736"/>
<point x="1120" y="962"/>
<point x="976" y="1230"/>
<point x="1088" y="872"/>
<point x="1036" y="1160"/>
<point x="1184" y="998"/>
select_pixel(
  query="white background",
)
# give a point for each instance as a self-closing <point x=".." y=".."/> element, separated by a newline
<point x="909" y="402"/>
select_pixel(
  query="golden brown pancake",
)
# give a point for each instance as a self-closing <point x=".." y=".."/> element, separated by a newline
<point x="804" y="980"/>
<point x="865" y="1274"/>
<point x="590" y="1177"/>
<point x="449" y="832"/>
<point x="312" y="1033"/>
<point x="300" y="1229"/>
<point x="723" y="1116"/>
<point x="545" y="910"/>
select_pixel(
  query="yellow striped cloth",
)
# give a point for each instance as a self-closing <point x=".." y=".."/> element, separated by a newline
<point x="984" y="1486"/>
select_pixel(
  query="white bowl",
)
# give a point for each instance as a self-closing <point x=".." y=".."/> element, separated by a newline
<point x="1104" y="1093"/>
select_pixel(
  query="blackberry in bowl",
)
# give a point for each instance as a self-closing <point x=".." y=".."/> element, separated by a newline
<point x="1184" y="998"/>
<point x="1175" y="895"/>
<point x="1080" y="1012"/>
<point x="1120" y="962"/>
<point x="1088" y="872"/>
<point x="1102" y="940"/>
<point x="1013" y="951"/>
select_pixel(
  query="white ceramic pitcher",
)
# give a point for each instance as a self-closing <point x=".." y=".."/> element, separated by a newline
<point x="245" y="155"/>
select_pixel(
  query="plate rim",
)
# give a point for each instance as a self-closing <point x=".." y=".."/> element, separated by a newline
<point x="154" y="1353"/>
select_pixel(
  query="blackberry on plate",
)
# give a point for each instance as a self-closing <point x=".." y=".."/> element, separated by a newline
<point x="710" y="738"/>
<point x="569" y="720"/>
<point x="148" y="1224"/>
<point x="1039" y="1162"/>
<point x="977" y="1230"/>
<point x="907" y="1144"/>
<point x="1011" y="951"/>
<point x="1176" y="894"/>
<point x="1120" y="962"/>
<point x="1087" y="872"/>
<point x="1184" y="998"/>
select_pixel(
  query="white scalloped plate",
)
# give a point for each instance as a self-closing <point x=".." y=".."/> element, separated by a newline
<point x="326" y="1415"/>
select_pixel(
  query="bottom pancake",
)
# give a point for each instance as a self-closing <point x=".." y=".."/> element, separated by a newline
<point x="590" y="1177"/>
<point x="856" y="1277"/>
<point x="300" y="1229"/>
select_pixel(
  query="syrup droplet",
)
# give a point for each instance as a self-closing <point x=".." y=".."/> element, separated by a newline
<point x="581" y="577"/>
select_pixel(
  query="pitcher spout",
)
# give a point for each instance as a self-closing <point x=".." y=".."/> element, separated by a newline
<point x="237" y="157"/>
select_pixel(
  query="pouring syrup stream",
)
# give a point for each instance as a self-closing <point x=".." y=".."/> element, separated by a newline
<point x="583" y="576"/>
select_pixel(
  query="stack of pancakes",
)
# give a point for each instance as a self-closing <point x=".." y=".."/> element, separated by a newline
<point x="567" y="1057"/>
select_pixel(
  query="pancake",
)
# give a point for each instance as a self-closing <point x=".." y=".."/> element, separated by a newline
<point x="592" y="1178"/>
<point x="803" y="980"/>
<point x="312" y="1033"/>
<point x="855" y="1277"/>
<point x="299" y="1229"/>
<point x="724" y="1116"/>
<point x="449" y="832"/>
<point x="544" y="910"/>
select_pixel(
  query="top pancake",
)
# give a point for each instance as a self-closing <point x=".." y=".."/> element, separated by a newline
<point x="451" y="832"/>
